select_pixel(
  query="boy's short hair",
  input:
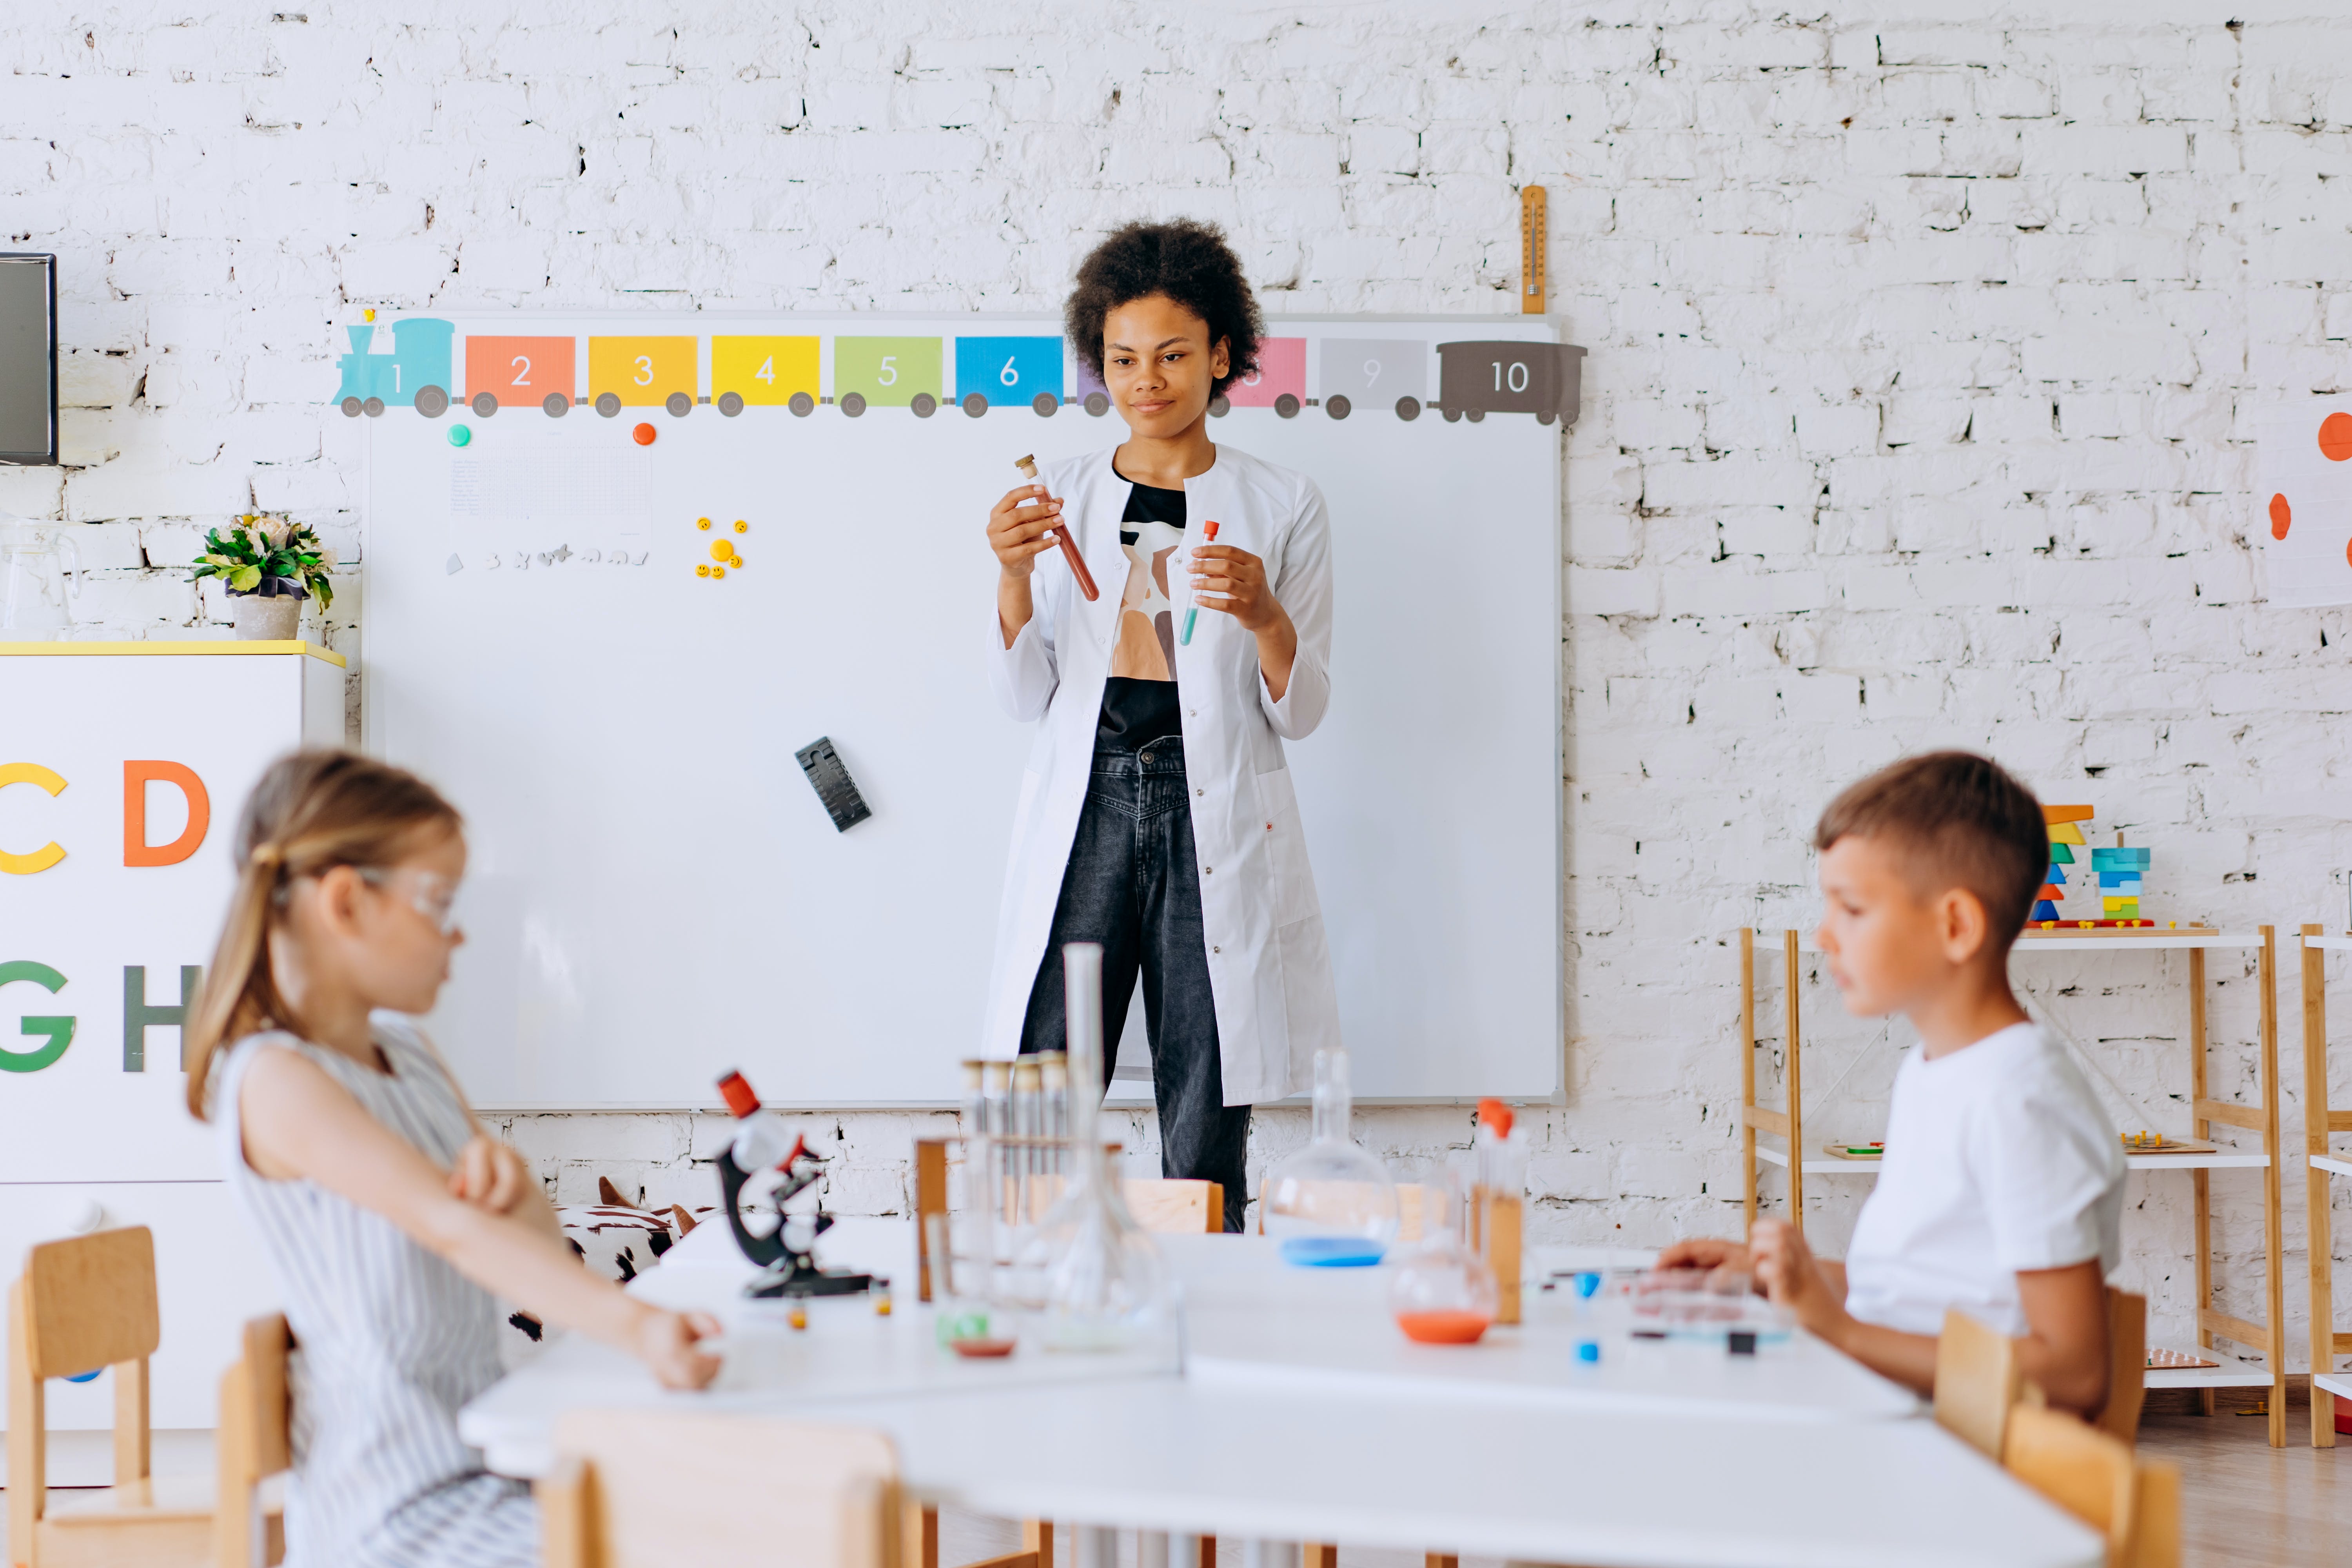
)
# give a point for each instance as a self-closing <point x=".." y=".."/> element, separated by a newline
<point x="1959" y="821"/>
<point x="1185" y="259"/>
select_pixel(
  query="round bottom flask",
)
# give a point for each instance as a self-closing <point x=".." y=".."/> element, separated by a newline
<point x="1444" y="1293"/>
<point x="1330" y="1204"/>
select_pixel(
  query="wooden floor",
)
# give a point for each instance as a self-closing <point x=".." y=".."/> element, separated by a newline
<point x="2243" y="1502"/>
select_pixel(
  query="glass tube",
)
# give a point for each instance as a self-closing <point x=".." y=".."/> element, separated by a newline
<point x="975" y="1100"/>
<point x="1104" y="1287"/>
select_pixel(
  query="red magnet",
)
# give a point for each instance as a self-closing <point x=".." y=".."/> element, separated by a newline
<point x="644" y="434"/>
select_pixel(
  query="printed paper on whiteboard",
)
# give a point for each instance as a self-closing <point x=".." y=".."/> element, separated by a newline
<point x="2303" y="499"/>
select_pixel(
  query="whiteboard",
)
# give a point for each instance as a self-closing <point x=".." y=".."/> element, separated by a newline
<point x="656" y="893"/>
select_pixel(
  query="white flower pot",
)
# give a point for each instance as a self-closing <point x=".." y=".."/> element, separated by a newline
<point x="276" y="617"/>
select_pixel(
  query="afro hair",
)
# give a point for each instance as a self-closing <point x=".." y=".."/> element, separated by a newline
<point x="1187" y="260"/>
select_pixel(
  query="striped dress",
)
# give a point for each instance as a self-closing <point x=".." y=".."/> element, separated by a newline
<point x="390" y="1340"/>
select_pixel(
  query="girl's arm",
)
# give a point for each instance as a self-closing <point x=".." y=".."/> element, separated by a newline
<point x="2064" y="1349"/>
<point x="298" y="1123"/>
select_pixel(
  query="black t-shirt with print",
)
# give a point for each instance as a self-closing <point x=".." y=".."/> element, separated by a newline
<point x="1139" y="698"/>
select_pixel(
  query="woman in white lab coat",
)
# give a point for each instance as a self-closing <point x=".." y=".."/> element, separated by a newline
<point x="1157" y="815"/>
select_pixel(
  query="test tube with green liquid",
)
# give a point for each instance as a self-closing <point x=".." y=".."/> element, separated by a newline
<point x="1192" y="608"/>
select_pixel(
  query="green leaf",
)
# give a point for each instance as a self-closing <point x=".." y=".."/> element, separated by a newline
<point x="244" y="579"/>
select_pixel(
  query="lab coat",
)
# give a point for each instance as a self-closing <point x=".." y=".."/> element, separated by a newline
<point x="1269" y="965"/>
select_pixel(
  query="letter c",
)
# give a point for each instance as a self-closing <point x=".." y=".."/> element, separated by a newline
<point x="49" y="854"/>
<point x="136" y="850"/>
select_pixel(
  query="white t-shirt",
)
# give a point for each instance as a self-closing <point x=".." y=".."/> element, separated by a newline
<point x="1998" y="1160"/>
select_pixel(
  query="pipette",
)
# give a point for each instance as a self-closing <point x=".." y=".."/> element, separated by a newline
<point x="1192" y="609"/>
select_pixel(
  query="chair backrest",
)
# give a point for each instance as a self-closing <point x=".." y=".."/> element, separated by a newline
<point x="1173" y="1206"/>
<point x="90" y="1301"/>
<point x="1977" y="1382"/>
<point x="81" y="1304"/>
<point x="646" y="1488"/>
<point x="2127" y="1365"/>
<point x="254" y="1443"/>
<point x="2080" y="1468"/>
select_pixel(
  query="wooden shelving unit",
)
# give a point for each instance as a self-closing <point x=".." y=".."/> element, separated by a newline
<point x="1789" y="1125"/>
<point x="2320" y="1164"/>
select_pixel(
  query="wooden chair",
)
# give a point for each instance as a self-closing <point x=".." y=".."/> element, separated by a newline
<point x="1977" y="1383"/>
<point x="646" y="1489"/>
<point x="81" y="1304"/>
<point x="2135" y="1505"/>
<point x="2127" y="1365"/>
<point x="1175" y="1207"/>
<point x="255" y="1442"/>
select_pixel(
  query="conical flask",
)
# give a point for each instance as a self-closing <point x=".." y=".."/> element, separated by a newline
<point x="1106" y="1288"/>
<point x="1330" y="1204"/>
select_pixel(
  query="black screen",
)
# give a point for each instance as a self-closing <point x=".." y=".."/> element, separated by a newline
<point x="29" y="350"/>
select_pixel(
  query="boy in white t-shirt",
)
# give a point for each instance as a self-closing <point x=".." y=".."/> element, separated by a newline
<point x="2001" y="1189"/>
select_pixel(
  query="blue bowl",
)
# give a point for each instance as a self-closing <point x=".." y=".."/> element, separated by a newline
<point x="1332" y="1251"/>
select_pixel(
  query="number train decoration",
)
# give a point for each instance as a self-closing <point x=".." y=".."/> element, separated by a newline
<point x="417" y="362"/>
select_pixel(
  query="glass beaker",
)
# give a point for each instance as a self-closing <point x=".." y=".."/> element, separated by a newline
<point x="1330" y="1204"/>
<point x="1104" y="1288"/>
<point x="40" y="574"/>
<point x="1444" y="1293"/>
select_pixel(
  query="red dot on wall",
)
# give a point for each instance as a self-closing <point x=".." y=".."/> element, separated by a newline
<point x="2281" y="516"/>
<point x="2335" y="437"/>
<point x="643" y="434"/>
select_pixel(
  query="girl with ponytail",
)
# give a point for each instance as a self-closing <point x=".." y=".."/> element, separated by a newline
<point x="390" y="1218"/>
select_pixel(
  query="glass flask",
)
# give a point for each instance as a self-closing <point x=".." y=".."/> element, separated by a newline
<point x="1330" y="1204"/>
<point x="1444" y="1293"/>
<point x="1105" y="1286"/>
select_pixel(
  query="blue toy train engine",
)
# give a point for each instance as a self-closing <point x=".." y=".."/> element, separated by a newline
<point x="417" y="371"/>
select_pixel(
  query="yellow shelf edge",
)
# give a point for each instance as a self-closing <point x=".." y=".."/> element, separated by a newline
<point x="215" y="646"/>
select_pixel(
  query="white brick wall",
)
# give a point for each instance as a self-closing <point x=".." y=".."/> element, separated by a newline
<point x="1916" y="412"/>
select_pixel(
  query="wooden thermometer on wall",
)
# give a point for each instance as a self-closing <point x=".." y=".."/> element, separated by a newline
<point x="1532" y="233"/>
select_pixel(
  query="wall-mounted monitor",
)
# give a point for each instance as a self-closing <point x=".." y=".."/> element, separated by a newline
<point x="28" y="358"/>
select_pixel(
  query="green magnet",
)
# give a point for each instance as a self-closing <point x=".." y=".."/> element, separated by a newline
<point x="460" y="436"/>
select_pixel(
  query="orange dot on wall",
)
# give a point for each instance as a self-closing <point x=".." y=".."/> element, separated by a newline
<point x="2335" y="437"/>
<point x="2282" y="515"/>
<point x="643" y="434"/>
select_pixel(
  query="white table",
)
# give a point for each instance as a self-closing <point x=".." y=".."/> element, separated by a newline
<point x="1281" y="1433"/>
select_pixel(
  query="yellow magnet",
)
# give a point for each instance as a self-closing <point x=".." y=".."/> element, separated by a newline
<point x="702" y="571"/>
<point x="718" y="571"/>
<point x="742" y="527"/>
<point x="702" y="522"/>
<point x="720" y="550"/>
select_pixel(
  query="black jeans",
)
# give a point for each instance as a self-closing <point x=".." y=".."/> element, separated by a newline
<point x="1132" y="885"/>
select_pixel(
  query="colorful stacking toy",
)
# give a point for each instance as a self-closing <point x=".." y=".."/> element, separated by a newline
<point x="2066" y="837"/>
<point x="2119" y="872"/>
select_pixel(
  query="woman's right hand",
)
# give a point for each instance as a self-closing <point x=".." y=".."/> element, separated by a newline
<point x="668" y="1342"/>
<point x="1016" y="529"/>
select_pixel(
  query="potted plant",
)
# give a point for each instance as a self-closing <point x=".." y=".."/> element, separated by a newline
<point x="268" y="565"/>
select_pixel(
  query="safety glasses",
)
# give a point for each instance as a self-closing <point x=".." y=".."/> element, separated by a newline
<point x="431" y="894"/>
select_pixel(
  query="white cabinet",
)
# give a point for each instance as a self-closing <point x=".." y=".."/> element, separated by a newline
<point x="124" y="768"/>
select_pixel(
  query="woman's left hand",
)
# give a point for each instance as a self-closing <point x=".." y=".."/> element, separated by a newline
<point x="1240" y="578"/>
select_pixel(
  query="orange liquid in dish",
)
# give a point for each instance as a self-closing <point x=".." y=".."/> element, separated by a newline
<point x="1446" y="1328"/>
<point x="982" y="1349"/>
